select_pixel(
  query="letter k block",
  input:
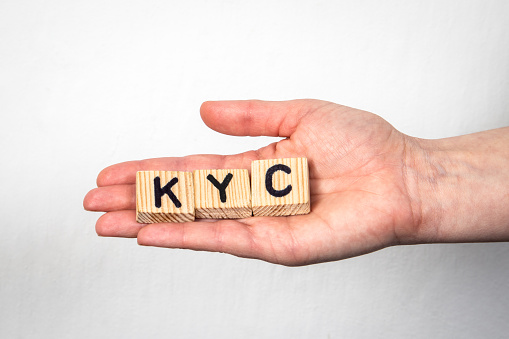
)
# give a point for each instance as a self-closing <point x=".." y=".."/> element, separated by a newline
<point x="164" y="196"/>
<point x="280" y="187"/>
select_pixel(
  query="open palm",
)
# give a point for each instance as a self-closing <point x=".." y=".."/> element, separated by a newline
<point x="357" y="165"/>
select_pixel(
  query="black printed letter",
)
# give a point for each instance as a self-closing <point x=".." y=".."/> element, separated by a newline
<point x="221" y="186"/>
<point x="268" y="181"/>
<point x="159" y="192"/>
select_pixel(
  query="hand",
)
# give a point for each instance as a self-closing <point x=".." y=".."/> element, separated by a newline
<point x="360" y="198"/>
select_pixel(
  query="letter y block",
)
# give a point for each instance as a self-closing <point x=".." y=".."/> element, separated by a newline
<point x="222" y="193"/>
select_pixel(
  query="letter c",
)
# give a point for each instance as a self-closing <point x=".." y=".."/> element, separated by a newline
<point x="268" y="181"/>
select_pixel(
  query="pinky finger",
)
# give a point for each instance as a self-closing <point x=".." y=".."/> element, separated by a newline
<point x="227" y="236"/>
<point x="118" y="224"/>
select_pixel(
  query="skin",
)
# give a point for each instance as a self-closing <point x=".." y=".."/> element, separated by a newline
<point x="371" y="186"/>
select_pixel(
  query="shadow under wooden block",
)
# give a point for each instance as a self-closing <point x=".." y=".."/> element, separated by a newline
<point x="222" y="193"/>
<point x="280" y="187"/>
<point x="164" y="196"/>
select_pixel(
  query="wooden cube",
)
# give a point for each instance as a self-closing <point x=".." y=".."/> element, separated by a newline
<point x="222" y="193"/>
<point x="280" y="187"/>
<point x="164" y="196"/>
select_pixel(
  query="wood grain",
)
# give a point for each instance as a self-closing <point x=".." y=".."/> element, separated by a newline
<point x="297" y="201"/>
<point x="237" y="196"/>
<point x="146" y="210"/>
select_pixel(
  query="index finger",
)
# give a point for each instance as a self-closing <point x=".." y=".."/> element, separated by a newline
<point x="125" y="173"/>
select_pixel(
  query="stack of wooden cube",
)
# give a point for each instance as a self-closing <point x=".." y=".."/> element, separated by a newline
<point x="278" y="187"/>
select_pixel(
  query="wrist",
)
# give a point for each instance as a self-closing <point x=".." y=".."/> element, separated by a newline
<point x="459" y="188"/>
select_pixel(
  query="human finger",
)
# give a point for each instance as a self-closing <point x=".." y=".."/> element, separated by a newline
<point x="111" y="198"/>
<point x="229" y="236"/>
<point x="255" y="117"/>
<point x="125" y="172"/>
<point x="118" y="224"/>
<point x="265" y="238"/>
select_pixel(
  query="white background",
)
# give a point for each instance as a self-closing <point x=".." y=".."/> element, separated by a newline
<point x="85" y="84"/>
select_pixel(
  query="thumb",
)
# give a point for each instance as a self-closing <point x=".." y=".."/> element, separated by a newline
<point x="255" y="117"/>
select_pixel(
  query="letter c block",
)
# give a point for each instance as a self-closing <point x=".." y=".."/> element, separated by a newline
<point x="164" y="196"/>
<point x="280" y="187"/>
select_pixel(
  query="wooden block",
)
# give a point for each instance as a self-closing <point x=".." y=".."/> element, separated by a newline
<point x="280" y="187"/>
<point x="164" y="196"/>
<point x="222" y="193"/>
